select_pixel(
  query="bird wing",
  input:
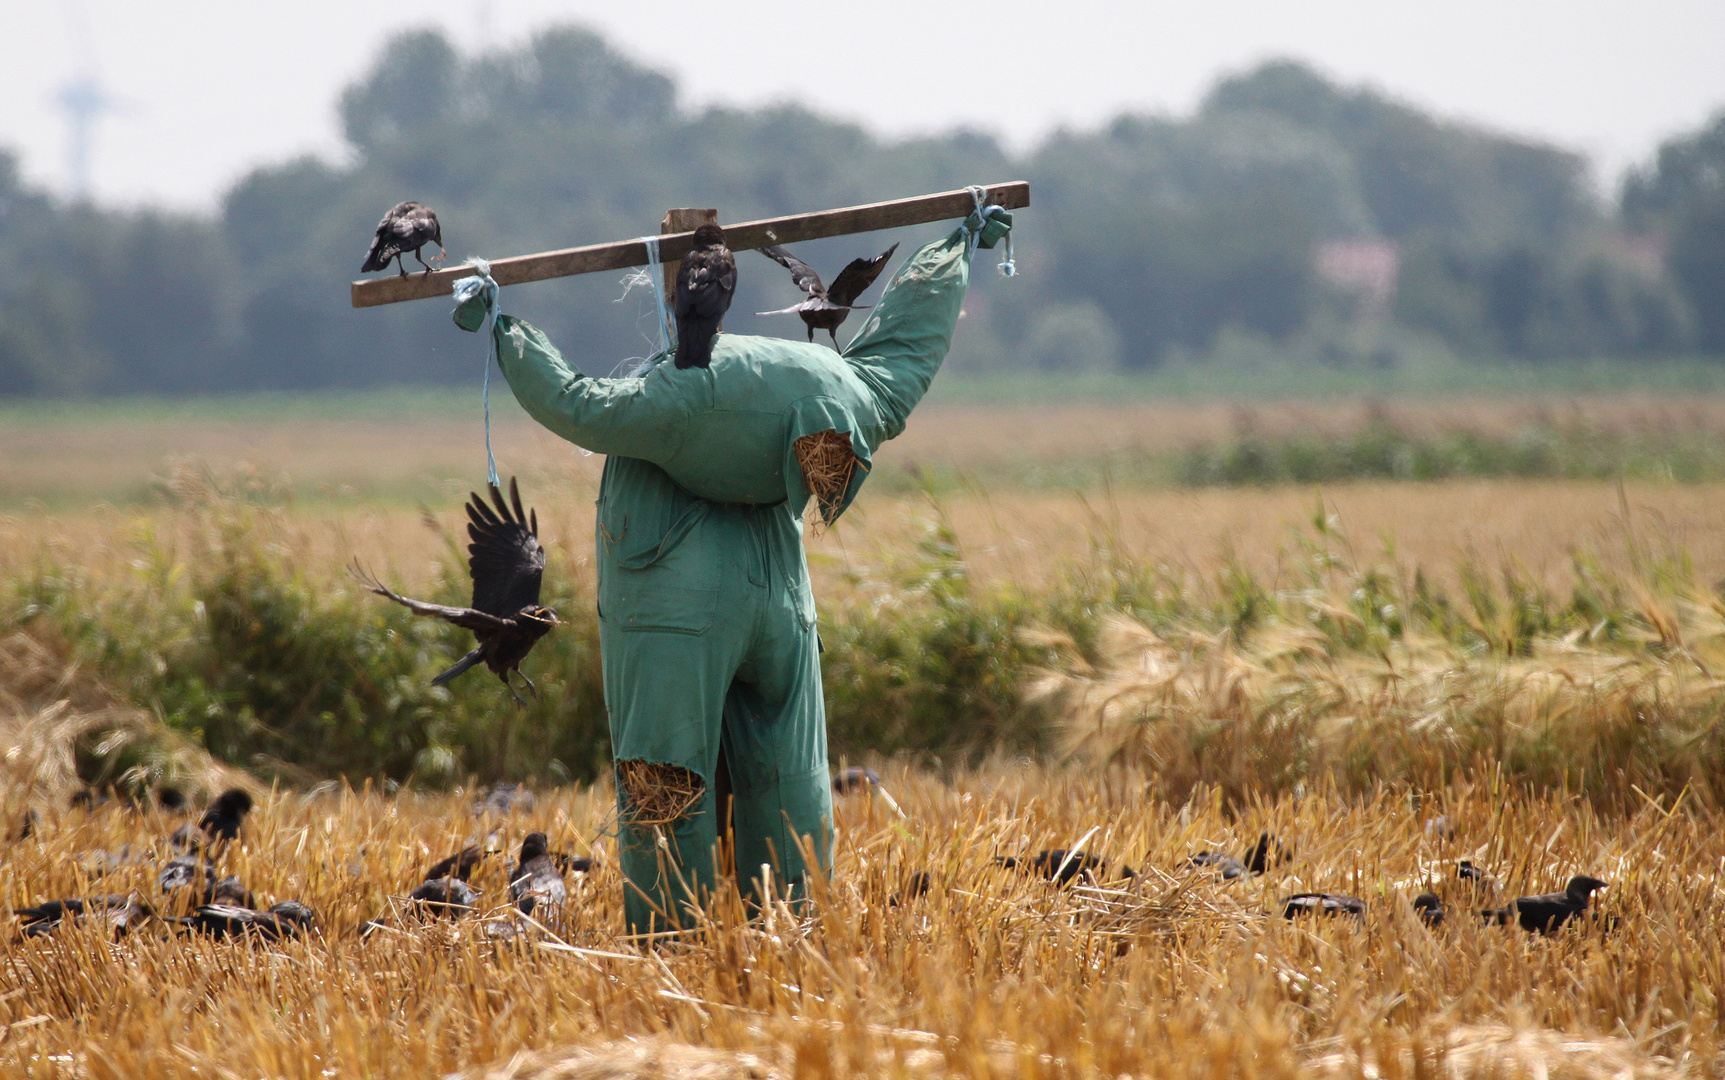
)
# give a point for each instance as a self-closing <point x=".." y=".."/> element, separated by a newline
<point x="386" y="243"/>
<point x="855" y="278"/>
<point x="467" y="618"/>
<point x="504" y="558"/>
<point x="705" y="281"/>
<point x="802" y="274"/>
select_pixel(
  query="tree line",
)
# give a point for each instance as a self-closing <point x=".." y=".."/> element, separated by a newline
<point x="1288" y="216"/>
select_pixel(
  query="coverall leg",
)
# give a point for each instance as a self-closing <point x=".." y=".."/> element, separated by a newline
<point x="707" y="634"/>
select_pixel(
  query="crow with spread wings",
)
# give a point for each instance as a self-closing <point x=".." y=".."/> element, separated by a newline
<point x="827" y="305"/>
<point x="506" y="563"/>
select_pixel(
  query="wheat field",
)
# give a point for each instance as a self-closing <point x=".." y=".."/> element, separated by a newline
<point x="1164" y="738"/>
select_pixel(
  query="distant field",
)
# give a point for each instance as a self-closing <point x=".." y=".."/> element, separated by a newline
<point x="402" y="449"/>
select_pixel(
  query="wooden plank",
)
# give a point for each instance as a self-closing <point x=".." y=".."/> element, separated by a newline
<point x="622" y="254"/>
<point x="676" y="221"/>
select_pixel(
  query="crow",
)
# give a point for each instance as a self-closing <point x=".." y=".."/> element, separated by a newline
<point x="171" y="800"/>
<point x="504" y="798"/>
<point x="290" y="918"/>
<point x="854" y="778"/>
<point x="506" y="564"/>
<point x="1544" y="913"/>
<point x="187" y="871"/>
<point x="1256" y="860"/>
<point x="1430" y="909"/>
<point x="219" y="825"/>
<point x="407" y="227"/>
<point x="827" y="305"/>
<point x="536" y="881"/>
<point x="459" y="866"/>
<point x="706" y="281"/>
<point x="120" y="913"/>
<point x="1477" y="879"/>
<point x="1060" y="865"/>
<point x="918" y="885"/>
<point x="1317" y="903"/>
<point x="444" y="896"/>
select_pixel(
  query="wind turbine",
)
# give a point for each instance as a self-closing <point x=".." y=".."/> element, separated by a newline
<point x="85" y="101"/>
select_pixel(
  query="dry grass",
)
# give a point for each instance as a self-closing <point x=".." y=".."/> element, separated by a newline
<point x="988" y="974"/>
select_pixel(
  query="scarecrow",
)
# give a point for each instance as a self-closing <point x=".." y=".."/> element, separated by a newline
<point x="706" y="616"/>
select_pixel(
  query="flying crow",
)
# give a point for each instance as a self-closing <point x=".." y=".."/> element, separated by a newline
<point x="407" y="227"/>
<point x="1545" y="913"/>
<point x="706" y="280"/>
<point x="827" y="306"/>
<point x="536" y="881"/>
<point x="506" y="564"/>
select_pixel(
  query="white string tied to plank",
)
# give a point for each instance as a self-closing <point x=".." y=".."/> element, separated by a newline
<point x="651" y="277"/>
<point x="465" y="289"/>
<point x="1008" y="267"/>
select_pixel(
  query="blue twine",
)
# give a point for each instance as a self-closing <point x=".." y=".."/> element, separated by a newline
<point x="656" y="279"/>
<point x="464" y="290"/>
<point x="1008" y="267"/>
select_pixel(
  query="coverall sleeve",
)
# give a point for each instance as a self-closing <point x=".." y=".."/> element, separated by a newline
<point x="643" y="418"/>
<point x="907" y="335"/>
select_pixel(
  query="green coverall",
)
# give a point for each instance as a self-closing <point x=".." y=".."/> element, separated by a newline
<point x="706" y="615"/>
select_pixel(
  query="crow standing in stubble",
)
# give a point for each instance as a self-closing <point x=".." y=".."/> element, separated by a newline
<point x="706" y="281"/>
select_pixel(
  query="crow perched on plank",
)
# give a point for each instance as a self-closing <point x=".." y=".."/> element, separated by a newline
<point x="1544" y="913"/>
<point x="407" y="227"/>
<point x="536" y="880"/>
<point x="506" y="564"/>
<point x="827" y="305"/>
<point x="706" y="281"/>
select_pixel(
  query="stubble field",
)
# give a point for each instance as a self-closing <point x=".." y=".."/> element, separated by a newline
<point x="1147" y="667"/>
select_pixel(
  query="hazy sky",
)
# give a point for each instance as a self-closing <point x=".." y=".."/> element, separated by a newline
<point x="208" y="89"/>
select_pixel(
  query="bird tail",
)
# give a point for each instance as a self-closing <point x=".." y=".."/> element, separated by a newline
<point x="695" y="342"/>
<point x="457" y="668"/>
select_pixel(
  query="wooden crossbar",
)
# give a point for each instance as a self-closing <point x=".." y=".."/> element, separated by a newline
<point x="622" y="254"/>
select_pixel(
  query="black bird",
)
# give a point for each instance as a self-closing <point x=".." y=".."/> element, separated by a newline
<point x="459" y="866"/>
<point x="120" y="912"/>
<point x="290" y="918"/>
<point x="444" y="896"/>
<point x="827" y="305"/>
<point x="1056" y="865"/>
<point x="219" y="825"/>
<point x="407" y="227"/>
<point x="536" y="881"/>
<point x="854" y="778"/>
<point x="230" y="891"/>
<point x="706" y="281"/>
<point x="171" y="800"/>
<point x="1256" y="860"/>
<point x="505" y="798"/>
<point x="1477" y="879"/>
<point x="918" y="885"/>
<point x="1544" y="913"/>
<point x="188" y="871"/>
<point x="506" y="564"/>
<point x="1317" y="903"/>
<point x="1430" y="908"/>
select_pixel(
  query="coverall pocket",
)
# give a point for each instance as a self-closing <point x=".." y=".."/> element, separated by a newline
<point x="664" y="608"/>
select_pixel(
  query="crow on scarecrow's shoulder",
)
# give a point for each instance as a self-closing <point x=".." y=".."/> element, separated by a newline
<point x="706" y="281"/>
